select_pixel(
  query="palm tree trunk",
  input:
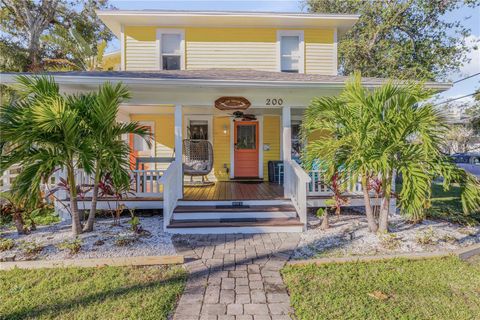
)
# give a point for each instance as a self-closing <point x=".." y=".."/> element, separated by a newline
<point x="372" y="224"/>
<point x="325" y="224"/>
<point x="93" y="206"/>
<point x="76" y="225"/>
<point x="19" y="223"/>
<point x="385" y="207"/>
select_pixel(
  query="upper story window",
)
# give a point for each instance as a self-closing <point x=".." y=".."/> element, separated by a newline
<point x="171" y="51"/>
<point x="290" y="51"/>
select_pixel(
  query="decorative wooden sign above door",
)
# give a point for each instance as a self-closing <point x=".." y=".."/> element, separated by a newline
<point x="232" y="103"/>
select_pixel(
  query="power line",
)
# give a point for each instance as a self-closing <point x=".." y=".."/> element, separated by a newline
<point x="471" y="76"/>
<point x="458" y="98"/>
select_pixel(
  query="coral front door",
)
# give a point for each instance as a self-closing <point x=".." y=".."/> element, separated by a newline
<point x="246" y="149"/>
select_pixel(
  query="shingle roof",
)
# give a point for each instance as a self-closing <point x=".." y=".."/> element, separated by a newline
<point x="218" y="75"/>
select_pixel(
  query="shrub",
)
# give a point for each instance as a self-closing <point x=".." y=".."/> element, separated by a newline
<point x="6" y="244"/>
<point x="73" y="246"/>
<point x="390" y="241"/>
<point x="123" y="241"/>
<point x="31" y="248"/>
<point x="427" y="237"/>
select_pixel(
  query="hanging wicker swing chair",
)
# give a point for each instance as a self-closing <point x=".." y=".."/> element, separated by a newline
<point x="198" y="161"/>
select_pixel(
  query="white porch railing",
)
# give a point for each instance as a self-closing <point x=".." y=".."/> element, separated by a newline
<point x="318" y="187"/>
<point x="296" y="189"/>
<point x="147" y="182"/>
<point x="143" y="182"/>
<point x="172" y="190"/>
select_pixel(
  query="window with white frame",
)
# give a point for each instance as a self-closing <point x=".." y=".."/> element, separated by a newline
<point x="171" y="49"/>
<point x="291" y="53"/>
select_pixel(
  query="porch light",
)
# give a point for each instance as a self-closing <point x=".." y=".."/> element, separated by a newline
<point x="224" y="129"/>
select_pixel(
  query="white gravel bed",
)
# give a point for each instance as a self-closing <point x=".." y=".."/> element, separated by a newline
<point x="349" y="235"/>
<point x="105" y="241"/>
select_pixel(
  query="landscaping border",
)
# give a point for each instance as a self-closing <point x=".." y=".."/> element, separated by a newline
<point x="97" y="262"/>
<point x="463" y="253"/>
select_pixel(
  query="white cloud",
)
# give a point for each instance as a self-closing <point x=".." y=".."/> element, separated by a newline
<point x="473" y="66"/>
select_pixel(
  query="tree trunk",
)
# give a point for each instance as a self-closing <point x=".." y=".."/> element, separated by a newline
<point x="76" y="225"/>
<point x="19" y="223"/>
<point x="325" y="225"/>
<point x="385" y="207"/>
<point x="372" y="224"/>
<point x="93" y="209"/>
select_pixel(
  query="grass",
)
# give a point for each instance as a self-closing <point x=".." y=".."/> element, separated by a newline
<point x="446" y="205"/>
<point x="445" y="288"/>
<point x="91" y="293"/>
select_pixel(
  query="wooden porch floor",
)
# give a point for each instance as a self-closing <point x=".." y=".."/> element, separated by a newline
<point x="235" y="190"/>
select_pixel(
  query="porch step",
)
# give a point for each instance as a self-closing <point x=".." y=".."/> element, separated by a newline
<point x="233" y="212"/>
<point x="235" y="225"/>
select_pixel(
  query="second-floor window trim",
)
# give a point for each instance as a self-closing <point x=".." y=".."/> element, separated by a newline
<point x="286" y="61"/>
<point x="168" y="53"/>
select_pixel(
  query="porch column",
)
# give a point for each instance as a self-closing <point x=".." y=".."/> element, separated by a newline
<point x="178" y="144"/>
<point x="286" y="144"/>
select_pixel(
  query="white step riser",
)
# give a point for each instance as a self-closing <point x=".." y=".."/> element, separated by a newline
<point x="229" y="203"/>
<point x="229" y="230"/>
<point x="232" y="215"/>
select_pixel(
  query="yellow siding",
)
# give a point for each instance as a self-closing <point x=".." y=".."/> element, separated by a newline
<point x="221" y="147"/>
<point x="164" y="134"/>
<point x="320" y="56"/>
<point x="230" y="35"/>
<point x="234" y="48"/>
<point x="271" y="136"/>
<point x="140" y="48"/>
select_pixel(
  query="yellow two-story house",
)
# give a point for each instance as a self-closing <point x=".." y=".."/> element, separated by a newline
<point x="223" y="94"/>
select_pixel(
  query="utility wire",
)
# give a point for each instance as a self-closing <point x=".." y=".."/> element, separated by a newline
<point x="458" y="98"/>
<point x="471" y="76"/>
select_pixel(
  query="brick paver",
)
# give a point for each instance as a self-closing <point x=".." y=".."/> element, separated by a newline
<point x="235" y="276"/>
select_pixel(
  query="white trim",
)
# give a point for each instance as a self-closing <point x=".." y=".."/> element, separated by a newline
<point x="158" y="49"/>
<point x="122" y="48"/>
<point x="335" y="52"/>
<point x="232" y="149"/>
<point x="209" y="118"/>
<point x="301" y="48"/>
<point x="260" y="145"/>
<point x="189" y="13"/>
<point x="286" y="155"/>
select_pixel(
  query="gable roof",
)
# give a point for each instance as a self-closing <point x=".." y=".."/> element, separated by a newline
<point x="212" y="77"/>
<point x="115" y="19"/>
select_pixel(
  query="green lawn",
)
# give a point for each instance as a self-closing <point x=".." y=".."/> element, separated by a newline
<point x="446" y="205"/>
<point x="399" y="289"/>
<point x="91" y="293"/>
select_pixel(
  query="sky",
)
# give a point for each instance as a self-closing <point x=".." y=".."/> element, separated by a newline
<point x="469" y="17"/>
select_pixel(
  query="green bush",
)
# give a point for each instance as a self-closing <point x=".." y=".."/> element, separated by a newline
<point x="6" y="244"/>
<point x="73" y="246"/>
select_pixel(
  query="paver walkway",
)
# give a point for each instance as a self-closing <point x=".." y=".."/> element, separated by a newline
<point x="235" y="276"/>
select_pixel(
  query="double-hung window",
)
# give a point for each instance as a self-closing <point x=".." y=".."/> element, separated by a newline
<point x="171" y="49"/>
<point x="290" y="51"/>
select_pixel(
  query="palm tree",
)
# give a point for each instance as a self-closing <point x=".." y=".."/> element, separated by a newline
<point x="381" y="132"/>
<point x="79" y="54"/>
<point x="43" y="131"/>
<point x="344" y="148"/>
<point x="110" y="152"/>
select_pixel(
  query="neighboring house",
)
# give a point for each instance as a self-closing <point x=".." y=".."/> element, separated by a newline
<point x="188" y="73"/>
<point x="111" y="61"/>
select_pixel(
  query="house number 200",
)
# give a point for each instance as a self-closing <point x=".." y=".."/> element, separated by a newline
<point x="274" y="102"/>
